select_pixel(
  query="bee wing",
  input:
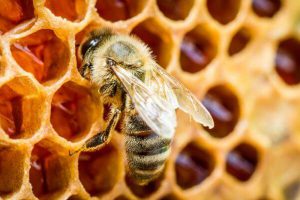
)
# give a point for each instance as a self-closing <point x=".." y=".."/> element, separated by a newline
<point x="185" y="100"/>
<point x="156" y="112"/>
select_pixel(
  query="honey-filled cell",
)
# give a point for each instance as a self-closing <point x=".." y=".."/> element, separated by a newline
<point x="175" y="10"/>
<point x="116" y="10"/>
<point x="223" y="11"/>
<point x="197" y="49"/>
<point x="266" y="8"/>
<point x="72" y="111"/>
<point x="42" y="54"/>
<point x="14" y="12"/>
<point x="242" y="161"/>
<point x="223" y="106"/>
<point x="193" y="165"/>
<point x="287" y="61"/>
<point x="239" y="41"/>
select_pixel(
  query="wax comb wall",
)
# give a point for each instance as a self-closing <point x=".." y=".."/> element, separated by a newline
<point x="241" y="58"/>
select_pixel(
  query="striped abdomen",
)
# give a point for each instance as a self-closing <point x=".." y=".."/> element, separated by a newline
<point x="146" y="151"/>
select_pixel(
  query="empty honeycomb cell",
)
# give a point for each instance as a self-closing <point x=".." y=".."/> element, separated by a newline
<point x="223" y="11"/>
<point x="98" y="171"/>
<point x="266" y="8"/>
<point x="239" y="41"/>
<point x="14" y="106"/>
<point x="49" y="171"/>
<point x="242" y="161"/>
<point x="193" y="165"/>
<point x="11" y="170"/>
<point x="287" y="61"/>
<point x="72" y="111"/>
<point x="14" y="12"/>
<point x="116" y="10"/>
<point x="175" y="10"/>
<point x="73" y="10"/>
<point x="143" y="191"/>
<point x="197" y="49"/>
<point x="223" y="105"/>
<point x="292" y="191"/>
<point x="43" y="54"/>
<point x="157" y="39"/>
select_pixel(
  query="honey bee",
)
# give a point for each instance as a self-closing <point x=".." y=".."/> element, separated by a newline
<point x="143" y="96"/>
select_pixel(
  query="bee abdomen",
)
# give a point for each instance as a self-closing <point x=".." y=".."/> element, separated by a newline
<point x="146" y="155"/>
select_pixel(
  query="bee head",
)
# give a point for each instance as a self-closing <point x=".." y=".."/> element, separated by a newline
<point x="94" y="40"/>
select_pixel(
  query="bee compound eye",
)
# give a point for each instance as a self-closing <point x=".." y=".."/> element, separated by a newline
<point x="88" y="44"/>
<point x="110" y="62"/>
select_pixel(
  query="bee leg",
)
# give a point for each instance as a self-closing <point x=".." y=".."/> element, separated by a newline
<point x="102" y="137"/>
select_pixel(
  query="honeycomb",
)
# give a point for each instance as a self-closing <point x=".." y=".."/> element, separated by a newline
<point x="241" y="58"/>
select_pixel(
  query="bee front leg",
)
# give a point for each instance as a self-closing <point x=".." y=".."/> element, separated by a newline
<point x="101" y="138"/>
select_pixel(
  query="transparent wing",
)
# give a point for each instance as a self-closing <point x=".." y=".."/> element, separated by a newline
<point x="157" y="113"/>
<point x="184" y="99"/>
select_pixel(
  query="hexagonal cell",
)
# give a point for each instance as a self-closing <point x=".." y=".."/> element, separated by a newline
<point x="193" y="165"/>
<point x="288" y="61"/>
<point x="242" y="161"/>
<point x="116" y="10"/>
<point x="73" y="10"/>
<point x="224" y="107"/>
<point x="157" y="39"/>
<point x="14" y="12"/>
<point x="14" y="106"/>
<point x="197" y="49"/>
<point x="223" y="11"/>
<point x="98" y="171"/>
<point x="49" y="172"/>
<point x="266" y="8"/>
<point x="11" y="170"/>
<point x="72" y="111"/>
<point x="142" y="191"/>
<point x="43" y="54"/>
<point x="175" y="10"/>
<point x="75" y="197"/>
<point x="239" y="41"/>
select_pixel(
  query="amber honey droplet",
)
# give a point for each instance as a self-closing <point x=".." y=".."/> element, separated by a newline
<point x="266" y="8"/>
<point x="196" y="51"/>
<point x="288" y="61"/>
<point x="98" y="171"/>
<point x="239" y="41"/>
<point x="223" y="105"/>
<point x="14" y="12"/>
<point x="193" y="165"/>
<point x="242" y="161"/>
<point x="175" y="9"/>
<point x="71" y="111"/>
<point x="223" y="11"/>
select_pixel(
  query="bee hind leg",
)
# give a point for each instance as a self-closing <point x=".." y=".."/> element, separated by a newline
<point x="101" y="138"/>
